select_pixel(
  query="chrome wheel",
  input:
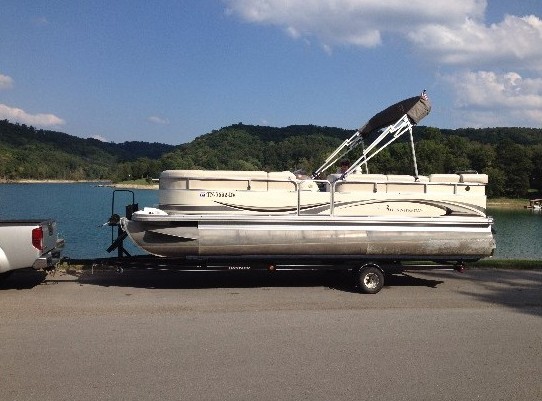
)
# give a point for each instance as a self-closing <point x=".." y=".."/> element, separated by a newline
<point x="370" y="279"/>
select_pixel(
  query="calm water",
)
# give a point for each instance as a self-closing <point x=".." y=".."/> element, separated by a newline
<point x="81" y="209"/>
<point x="518" y="233"/>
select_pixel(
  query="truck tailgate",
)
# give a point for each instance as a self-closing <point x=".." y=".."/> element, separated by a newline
<point x="23" y="242"/>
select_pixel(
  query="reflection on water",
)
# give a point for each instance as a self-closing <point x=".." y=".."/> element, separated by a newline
<point x="81" y="209"/>
<point x="518" y="233"/>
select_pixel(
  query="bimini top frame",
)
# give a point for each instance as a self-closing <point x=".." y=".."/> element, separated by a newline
<point x="395" y="121"/>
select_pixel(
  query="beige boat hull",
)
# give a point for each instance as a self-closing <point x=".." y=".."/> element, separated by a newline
<point x="207" y="236"/>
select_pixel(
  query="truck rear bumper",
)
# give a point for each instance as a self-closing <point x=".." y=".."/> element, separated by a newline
<point x="49" y="259"/>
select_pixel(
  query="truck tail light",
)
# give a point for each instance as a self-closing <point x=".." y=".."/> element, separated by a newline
<point x="37" y="238"/>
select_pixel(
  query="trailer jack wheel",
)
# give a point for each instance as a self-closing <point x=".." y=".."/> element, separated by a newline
<point x="370" y="279"/>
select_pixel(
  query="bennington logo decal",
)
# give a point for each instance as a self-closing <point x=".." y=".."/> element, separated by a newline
<point x="403" y="209"/>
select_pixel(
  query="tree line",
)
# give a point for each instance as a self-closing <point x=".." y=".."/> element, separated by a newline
<point x="29" y="153"/>
<point x="512" y="157"/>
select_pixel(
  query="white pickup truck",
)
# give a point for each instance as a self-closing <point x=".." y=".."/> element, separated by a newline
<point x="28" y="243"/>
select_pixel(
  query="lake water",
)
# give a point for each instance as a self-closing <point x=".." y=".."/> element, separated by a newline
<point x="81" y="209"/>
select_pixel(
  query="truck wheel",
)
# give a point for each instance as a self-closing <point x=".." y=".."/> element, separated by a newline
<point x="370" y="279"/>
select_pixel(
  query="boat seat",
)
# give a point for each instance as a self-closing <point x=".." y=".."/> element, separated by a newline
<point x="214" y="180"/>
<point x="447" y="178"/>
<point x="474" y="178"/>
<point x="280" y="181"/>
<point x="367" y="177"/>
<point x="362" y="178"/>
<point x="405" y="184"/>
<point x="401" y="178"/>
<point x="287" y="182"/>
<point x="362" y="182"/>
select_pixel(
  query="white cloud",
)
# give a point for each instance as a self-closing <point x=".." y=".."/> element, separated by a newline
<point x="99" y="138"/>
<point x="513" y="42"/>
<point x="6" y="82"/>
<point x="354" y="22"/>
<point x="451" y="32"/>
<point x="490" y="99"/>
<point x="158" y="120"/>
<point x="21" y="116"/>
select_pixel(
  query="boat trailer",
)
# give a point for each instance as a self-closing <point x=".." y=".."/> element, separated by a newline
<point x="368" y="273"/>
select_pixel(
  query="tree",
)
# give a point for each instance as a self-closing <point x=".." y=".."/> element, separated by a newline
<point x="432" y="157"/>
<point x="536" y="175"/>
<point x="496" y="186"/>
<point x="513" y="160"/>
<point x="481" y="156"/>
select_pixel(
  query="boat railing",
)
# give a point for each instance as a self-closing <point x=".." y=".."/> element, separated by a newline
<point x="451" y="184"/>
<point x="415" y="186"/>
<point x="245" y="183"/>
<point x="242" y="183"/>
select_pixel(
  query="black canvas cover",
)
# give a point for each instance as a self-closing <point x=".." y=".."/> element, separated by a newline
<point x="416" y="108"/>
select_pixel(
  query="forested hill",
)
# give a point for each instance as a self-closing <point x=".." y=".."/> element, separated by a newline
<point x="26" y="152"/>
<point x="512" y="157"/>
<point x="249" y="147"/>
<point x="492" y="136"/>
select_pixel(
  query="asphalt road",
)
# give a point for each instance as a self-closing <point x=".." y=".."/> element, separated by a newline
<point x="287" y="336"/>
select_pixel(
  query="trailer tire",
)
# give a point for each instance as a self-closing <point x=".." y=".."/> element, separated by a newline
<point x="370" y="279"/>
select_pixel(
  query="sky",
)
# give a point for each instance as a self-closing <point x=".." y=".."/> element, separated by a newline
<point x="168" y="71"/>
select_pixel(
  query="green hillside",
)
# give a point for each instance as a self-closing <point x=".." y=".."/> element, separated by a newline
<point x="27" y="153"/>
<point x="512" y="157"/>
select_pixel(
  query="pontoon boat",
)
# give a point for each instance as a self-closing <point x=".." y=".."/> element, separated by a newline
<point x="354" y="216"/>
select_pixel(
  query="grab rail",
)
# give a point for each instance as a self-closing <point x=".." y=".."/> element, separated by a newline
<point x="298" y="186"/>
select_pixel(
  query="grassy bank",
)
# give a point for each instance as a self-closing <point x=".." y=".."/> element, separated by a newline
<point x="136" y="184"/>
<point x="506" y="203"/>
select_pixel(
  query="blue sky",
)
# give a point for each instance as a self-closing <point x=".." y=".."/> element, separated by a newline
<point x="168" y="71"/>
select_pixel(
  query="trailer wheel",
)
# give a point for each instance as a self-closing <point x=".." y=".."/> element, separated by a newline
<point x="370" y="279"/>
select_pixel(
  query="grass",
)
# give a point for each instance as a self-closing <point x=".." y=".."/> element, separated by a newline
<point x="507" y="203"/>
<point x="140" y="181"/>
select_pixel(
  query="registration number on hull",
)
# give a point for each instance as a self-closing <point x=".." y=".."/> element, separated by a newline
<point x="216" y="194"/>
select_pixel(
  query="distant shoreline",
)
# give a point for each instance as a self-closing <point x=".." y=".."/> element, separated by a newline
<point x="97" y="182"/>
<point x="134" y="186"/>
<point x="503" y="203"/>
<point x="48" y="181"/>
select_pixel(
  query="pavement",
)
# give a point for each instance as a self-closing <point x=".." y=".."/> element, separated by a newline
<point x="162" y="335"/>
